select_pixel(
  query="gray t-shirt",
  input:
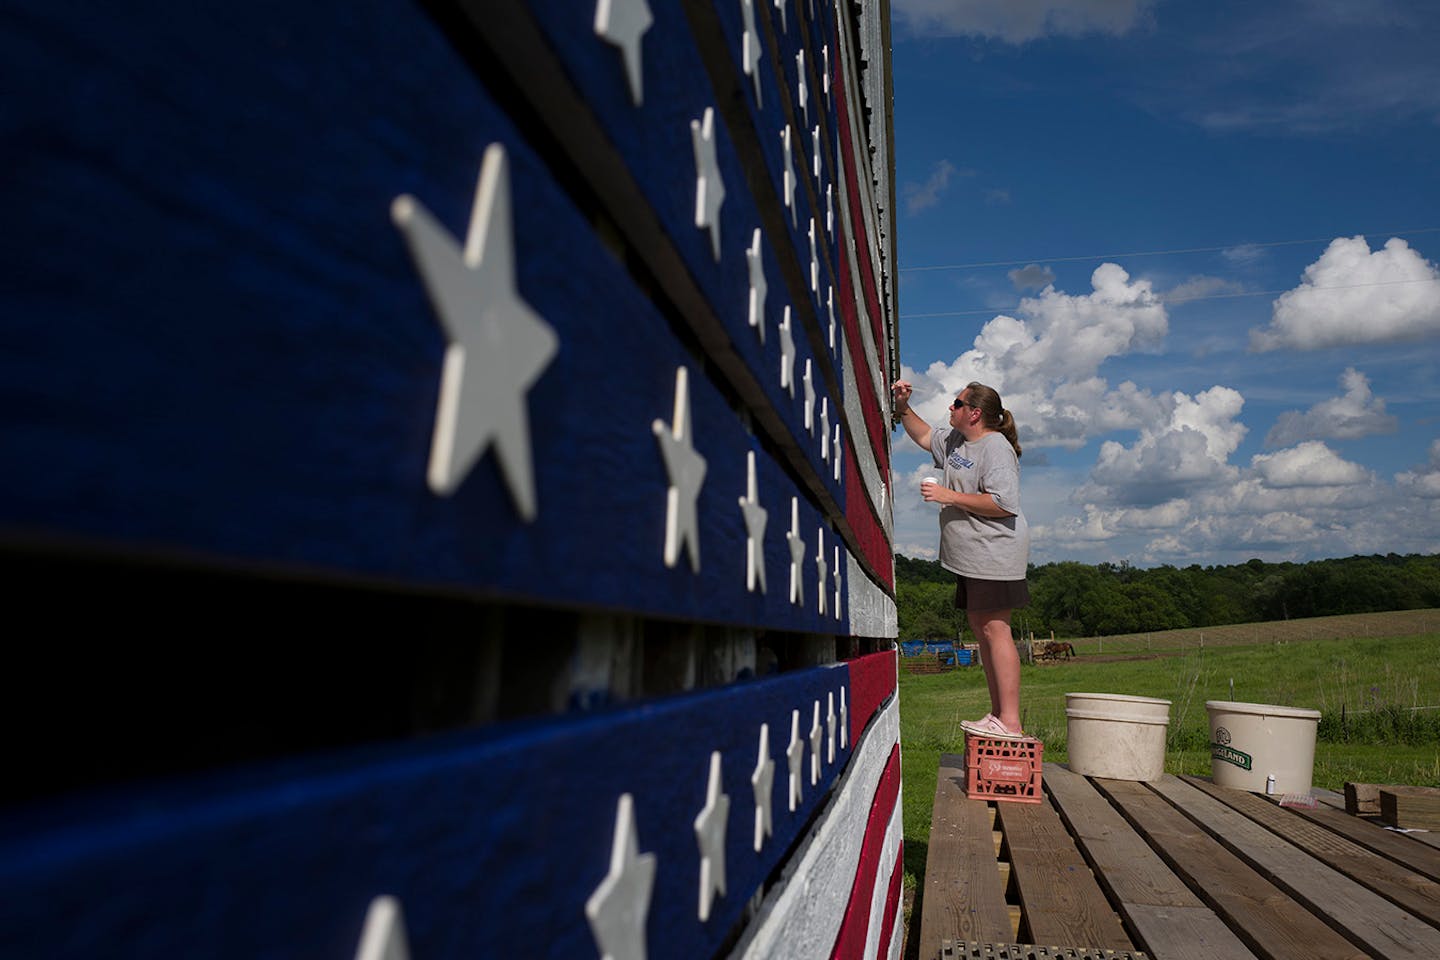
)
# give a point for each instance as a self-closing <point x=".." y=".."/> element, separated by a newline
<point x="986" y="548"/>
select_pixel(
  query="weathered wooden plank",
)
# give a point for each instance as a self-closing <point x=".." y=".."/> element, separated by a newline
<point x="1431" y="840"/>
<point x="1167" y="918"/>
<point x="1362" y="916"/>
<point x="281" y="860"/>
<point x="1415" y="808"/>
<point x="1328" y="798"/>
<point x="1388" y="843"/>
<point x="1362" y="798"/>
<point x="964" y="898"/>
<point x="1059" y="896"/>
<point x="1420" y="895"/>
<point x="320" y="338"/>
<point x="1269" y="922"/>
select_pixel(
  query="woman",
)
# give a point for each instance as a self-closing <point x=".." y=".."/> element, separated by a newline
<point x="984" y="539"/>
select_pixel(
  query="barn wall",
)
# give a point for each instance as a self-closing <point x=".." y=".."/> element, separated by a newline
<point x="447" y="445"/>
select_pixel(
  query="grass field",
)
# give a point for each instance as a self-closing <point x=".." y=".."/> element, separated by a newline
<point x="1381" y="670"/>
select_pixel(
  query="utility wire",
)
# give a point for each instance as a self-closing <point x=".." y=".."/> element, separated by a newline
<point x="1150" y="253"/>
<point x="1206" y="296"/>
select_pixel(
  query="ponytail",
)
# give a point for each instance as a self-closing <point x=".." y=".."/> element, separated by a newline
<point x="996" y="417"/>
<point x="1008" y="431"/>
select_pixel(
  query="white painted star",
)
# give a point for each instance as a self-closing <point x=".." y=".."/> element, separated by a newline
<point x="750" y="46"/>
<point x="763" y="781"/>
<point x="383" y="936"/>
<point x="825" y="77"/>
<point x="623" y="23"/>
<point x="835" y="450"/>
<point x="821" y="572"/>
<point x="830" y="210"/>
<point x="809" y="383"/>
<point x="619" y="906"/>
<point x="709" y="188"/>
<point x="844" y="721"/>
<point x="780" y="5"/>
<point x="830" y="717"/>
<point x="797" y="553"/>
<point x="758" y="287"/>
<point x="686" y="470"/>
<point x="824" y="428"/>
<point x="789" y="178"/>
<point x="756" y="517"/>
<point x="837" y="580"/>
<point x="830" y="306"/>
<point x="787" y="355"/>
<point x="497" y="346"/>
<point x="710" y="834"/>
<point x="817" y="734"/>
<point x="815" y="152"/>
<point x="802" y="90"/>
<point x="795" y="757"/>
<point x="814" y="261"/>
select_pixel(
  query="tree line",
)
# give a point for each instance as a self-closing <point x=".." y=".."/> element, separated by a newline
<point x="1083" y="600"/>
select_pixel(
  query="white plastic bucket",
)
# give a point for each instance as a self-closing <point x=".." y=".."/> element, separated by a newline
<point x="1261" y="747"/>
<point x="1115" y="736"/>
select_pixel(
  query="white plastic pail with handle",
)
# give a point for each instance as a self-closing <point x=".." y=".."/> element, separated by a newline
<point x="1251" y="743"/>
<point x="1116" y="736"/>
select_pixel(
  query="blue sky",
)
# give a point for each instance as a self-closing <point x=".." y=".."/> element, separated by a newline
<point x="1195" y="248"/>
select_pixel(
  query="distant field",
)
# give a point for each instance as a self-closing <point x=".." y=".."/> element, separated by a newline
<point x="1365" y="664"/>
<point x="1347" y="626"/>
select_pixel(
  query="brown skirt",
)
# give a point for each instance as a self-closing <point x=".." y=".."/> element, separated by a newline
<point x="972" y="594"/>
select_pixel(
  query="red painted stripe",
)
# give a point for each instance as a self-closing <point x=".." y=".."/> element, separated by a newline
<point x="869" y="403"/>
<point x="872" y="680"/>
<point x="862" y="240"/>
<point x="892" y="903"/>
<point x="850" y="942"/>
<point x="870" y="537"/>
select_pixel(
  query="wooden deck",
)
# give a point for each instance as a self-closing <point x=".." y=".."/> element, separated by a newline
<point x="1175" y="870"/>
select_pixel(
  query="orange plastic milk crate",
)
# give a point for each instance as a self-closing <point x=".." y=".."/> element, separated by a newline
<point x="997" y="769"/>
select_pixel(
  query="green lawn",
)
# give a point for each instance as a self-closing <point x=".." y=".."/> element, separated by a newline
<point x="1370" y="678"/>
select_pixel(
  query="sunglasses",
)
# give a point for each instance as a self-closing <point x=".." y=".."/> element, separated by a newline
<point x="961" y="403"/>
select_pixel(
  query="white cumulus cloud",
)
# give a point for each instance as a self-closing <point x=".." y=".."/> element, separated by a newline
<point x="922" y="196"/>
<point x="1045" y="361"/>
<point x="1355" y="295"/>
<point x="1201" y="288"/>
<point x="1309" y="464"/>
<point x="1016" y="21"/>
<point x="1186" y="452"/>
<point x="1424" y="480"/>
<point x="1032" y="277"/>
<point x="1355" y="413"/>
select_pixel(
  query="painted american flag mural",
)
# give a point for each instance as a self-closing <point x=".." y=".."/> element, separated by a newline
<point x="448" y="444"/>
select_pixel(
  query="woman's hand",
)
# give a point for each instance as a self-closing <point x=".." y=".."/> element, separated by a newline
<point x="932" y="492"/>
<point x="900" y="390"/>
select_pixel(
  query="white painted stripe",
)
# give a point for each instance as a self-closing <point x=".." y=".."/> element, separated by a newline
<point x="897" y="937"/>
<point x="872" y="612"/>
<point x="801" y="916"/>
<point x="881" y="894"/>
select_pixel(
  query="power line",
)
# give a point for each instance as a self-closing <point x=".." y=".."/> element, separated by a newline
<point x="1205" y="296"/>
<point x="1150" y="253"/>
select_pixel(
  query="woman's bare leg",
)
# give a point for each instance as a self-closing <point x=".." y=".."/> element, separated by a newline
<point x="1002" y="663"/>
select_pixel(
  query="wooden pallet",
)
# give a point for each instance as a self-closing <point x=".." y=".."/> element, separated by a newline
<point x="1179" y="869"/>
